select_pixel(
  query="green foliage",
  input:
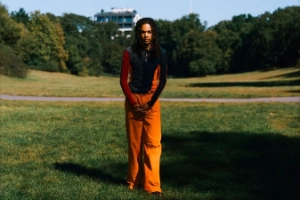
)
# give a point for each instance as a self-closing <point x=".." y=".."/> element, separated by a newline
<point x="10" y="63"/>
<point x="49" y="41"/>
<point x="195" y="50"/>
<point x="82" y="43"/>
<point x="112" y="49"/>
<point x="264" y="42"/>
<point x="21" y="16"/>
<point x="28" y="49"/>
<point x="10" y="30"/>
<point x="82" y="46"/>
<point x="49" y="66"/>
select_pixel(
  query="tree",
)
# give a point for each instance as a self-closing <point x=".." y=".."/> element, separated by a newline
<point x="10" y="33"/>
<point x="233" y="40"/>
<point x="10" y="63"/>
<point x="186" y="41"/>
<point x="49" y="41"/>
<point x="164" y="32"/>
<point x="109" y="38"/>
<point x="21" y="16"/>
<point x="286" y="34"/>
<point x="10" y="30"/>
<point x="82" y="44"/>
<point x="200" y="53"/>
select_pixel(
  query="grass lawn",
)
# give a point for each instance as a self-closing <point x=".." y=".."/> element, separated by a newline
<point x="275" y="83"/>
<point x="211" y="151"/>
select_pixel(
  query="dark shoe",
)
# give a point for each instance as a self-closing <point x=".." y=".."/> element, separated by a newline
<point x="158" y="194"/>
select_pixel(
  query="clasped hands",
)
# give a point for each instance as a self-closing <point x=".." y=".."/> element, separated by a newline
<point x="141" y="109"/>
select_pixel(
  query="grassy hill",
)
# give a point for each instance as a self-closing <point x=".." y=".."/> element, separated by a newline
<point x="275" y="83"/>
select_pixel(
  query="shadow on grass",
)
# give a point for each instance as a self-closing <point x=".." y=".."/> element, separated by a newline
<point x="247" y="84"/>
<point x="287" y="75"/>
<point x="93" y="173"/>
<point x="293" y="91"/>
<point x="233" y="165"/>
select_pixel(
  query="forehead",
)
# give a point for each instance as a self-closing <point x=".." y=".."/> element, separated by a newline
<point x="146" y="27"/>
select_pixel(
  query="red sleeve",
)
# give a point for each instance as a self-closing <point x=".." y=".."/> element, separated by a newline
<point x="124" y="78"/>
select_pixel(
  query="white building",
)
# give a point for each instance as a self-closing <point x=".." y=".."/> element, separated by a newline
<point x="126" y="18"/>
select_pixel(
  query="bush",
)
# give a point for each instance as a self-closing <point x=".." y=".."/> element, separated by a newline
<point x="10" y="64"/>
<point x="49" y="66"/>
<point x="95" y="70"/>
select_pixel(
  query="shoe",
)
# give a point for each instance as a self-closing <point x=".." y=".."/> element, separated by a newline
<point x="158" y="194"/>
<point x="132" y="187"/>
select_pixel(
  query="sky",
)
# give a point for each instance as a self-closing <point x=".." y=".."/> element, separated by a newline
<point x="211" y="11"/>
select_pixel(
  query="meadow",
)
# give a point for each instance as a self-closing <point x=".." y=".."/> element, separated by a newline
<point x="275" y="83"/>
<point x="211" y="151"/>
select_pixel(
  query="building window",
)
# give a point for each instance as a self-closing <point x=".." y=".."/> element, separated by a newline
<point x="114" y="19"/>
<point x="120" y="19"/>
<point x="127" y="25"/>
<point x="100" y="19"/>
<point x="128" y="19"/>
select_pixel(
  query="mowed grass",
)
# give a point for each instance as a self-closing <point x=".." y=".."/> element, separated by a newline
<point x="78" y="150"/>
<point x="275" y="83"/>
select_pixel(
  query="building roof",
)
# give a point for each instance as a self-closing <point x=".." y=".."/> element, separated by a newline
<point x="117" y="11"/>
<point x="123" y="10"/>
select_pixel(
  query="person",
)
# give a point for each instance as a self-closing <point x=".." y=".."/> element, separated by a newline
<point x="143" y="78"/>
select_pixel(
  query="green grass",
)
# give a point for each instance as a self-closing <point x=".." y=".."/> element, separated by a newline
<point x="78" y="150"/>
<point x="275" y="83"/>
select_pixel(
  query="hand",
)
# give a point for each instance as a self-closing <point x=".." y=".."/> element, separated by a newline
<point x="137" y="108"/>
<point x="144" y="108"/>
<point x="141" y="109"/>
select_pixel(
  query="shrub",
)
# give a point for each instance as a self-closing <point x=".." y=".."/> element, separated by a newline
<point x="50" y="66"/>
<point x="11" y="64"/>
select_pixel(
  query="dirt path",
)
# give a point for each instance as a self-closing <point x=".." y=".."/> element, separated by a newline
<point x="36" y="98"/>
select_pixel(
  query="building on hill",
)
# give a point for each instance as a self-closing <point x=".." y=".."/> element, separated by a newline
<point x="126" y="18"/>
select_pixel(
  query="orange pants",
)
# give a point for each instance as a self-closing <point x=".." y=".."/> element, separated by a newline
<point x="144" y="147"/>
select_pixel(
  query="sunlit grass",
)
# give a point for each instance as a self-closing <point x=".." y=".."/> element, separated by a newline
<point x="275" y="83"/>
<point x="78" y="150"/>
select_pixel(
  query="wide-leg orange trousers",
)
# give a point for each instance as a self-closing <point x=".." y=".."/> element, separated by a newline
<point x="144" y="145"/>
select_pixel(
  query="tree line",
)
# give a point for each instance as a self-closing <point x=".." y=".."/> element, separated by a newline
<point x="78" y="45"/>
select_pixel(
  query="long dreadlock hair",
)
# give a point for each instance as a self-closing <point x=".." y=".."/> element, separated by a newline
<point x="138" y="46"/>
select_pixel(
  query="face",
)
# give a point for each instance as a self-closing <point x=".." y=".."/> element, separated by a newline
<point x="146" y="34"/>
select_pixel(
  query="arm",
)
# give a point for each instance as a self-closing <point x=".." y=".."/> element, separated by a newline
<point x="162" y="79"/>
<point x="124" y="77"/>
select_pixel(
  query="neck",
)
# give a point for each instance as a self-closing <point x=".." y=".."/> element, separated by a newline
<point x="148" y="47"/>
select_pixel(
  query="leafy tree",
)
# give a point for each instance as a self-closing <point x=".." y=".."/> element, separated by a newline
<point x="164" y="33"/>
<point x="186" y="38"/>
<point x="200" y="53"/>
<point x="10" y="33"/>
<point x="21" y="16"/>
<point x="286" y="34"/>
<point x="10" y="30"/>
<point x="82" y="44"/>
<point x="10" y="63"/>
<point x="113" y="51"/>
<point x="50" y="43"/>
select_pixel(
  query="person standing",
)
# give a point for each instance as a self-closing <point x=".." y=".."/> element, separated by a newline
<point x="143" y="78"/>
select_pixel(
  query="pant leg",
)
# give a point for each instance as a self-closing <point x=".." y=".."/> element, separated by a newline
<point x="134" y="127"/>
<point x="152" y="148"/>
